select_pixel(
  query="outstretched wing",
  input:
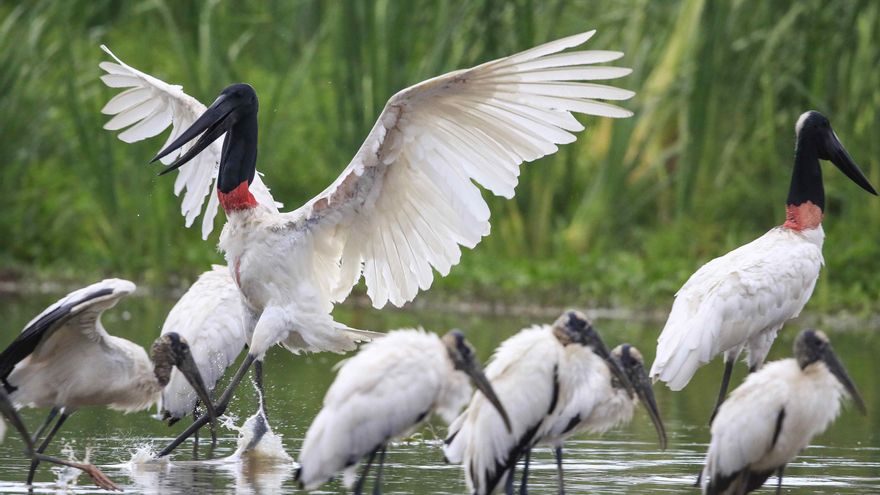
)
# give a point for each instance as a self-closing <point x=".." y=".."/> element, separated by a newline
<point x="210" y="316"/>
<point x="81" y="309"/>
<point x="407" y="201"/>
<point x="146" y="108"/>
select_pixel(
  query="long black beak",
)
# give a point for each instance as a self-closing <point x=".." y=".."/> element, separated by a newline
<point x="482" y="383"/>
<point x="216" y="120"/>
<point x="646" y="396"/>
<point x="838" y="155"/>
<point x="836" y="368"/>
<point x="189" y="369"/>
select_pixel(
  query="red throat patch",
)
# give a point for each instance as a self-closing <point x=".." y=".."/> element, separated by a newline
<point x="803" y="216"/>
<point x="239" y="198"/>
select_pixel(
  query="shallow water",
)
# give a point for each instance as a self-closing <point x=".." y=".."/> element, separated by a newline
<point x="845" y="459"/>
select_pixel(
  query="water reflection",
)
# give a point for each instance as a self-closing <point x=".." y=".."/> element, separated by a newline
<point x="847" y="459"/>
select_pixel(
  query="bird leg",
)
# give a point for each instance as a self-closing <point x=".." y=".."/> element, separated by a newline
<point x="377" y="484"/>
<point x="779" y="479"/>
<point x="725" y="382"/>
<point x="359" y="486"/>
<point x="220" y="407"/>
<point x="195" y="415"/>
<point x="35" y="461"/>
<point x="559" y="470"/>
<point x="42" y="428"/>
<point x="523" y="486"/>
<point x="508" y="484"/>
<point x="261" y="391"/>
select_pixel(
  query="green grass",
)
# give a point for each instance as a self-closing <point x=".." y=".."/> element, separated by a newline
<point x="623" y="216"/>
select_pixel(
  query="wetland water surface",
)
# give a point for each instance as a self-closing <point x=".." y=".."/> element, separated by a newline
<point x="845" y="459"/>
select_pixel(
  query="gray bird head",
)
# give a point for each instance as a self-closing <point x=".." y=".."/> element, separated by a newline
<point x="464" y="359"/>
<point x="171" y="350"/>
<point x="630" y="360"/>
<point x="573" y="328"/>
<point x="811" y="348"/>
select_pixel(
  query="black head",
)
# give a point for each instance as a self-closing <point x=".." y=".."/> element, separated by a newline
<point x="630" y="360"/>
<point x="464" y="359"/>
<point x="812" y="348"/>
<point x="234" y="111"/>
<point x="573" y="328"/>
<point x="817" y="140"/>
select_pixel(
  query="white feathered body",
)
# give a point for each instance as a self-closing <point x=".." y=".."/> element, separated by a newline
<point x="522" y="372"/>
<point x="743" y="431"/>
<point x="78" y="364"/>
<point x="588" y="401"/>
<point x="384" y="392"/>
<point x="738" y="301"/>
<point x="211" y="318"/>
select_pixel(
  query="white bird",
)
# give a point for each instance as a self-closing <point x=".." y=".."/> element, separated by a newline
<point x="405" y="204"/>
<point x="7" y="409"/>
<point x="741" y="300"/>
<point x="773" y="416"/>
<point x="65" y="359"/>
<point x="386" y="392"/>
<point x="540" y="375"/>
<point x="211" y="318"/>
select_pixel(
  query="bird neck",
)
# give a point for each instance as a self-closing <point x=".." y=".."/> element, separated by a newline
<point x="238" y="164"/>
<point x="806" y="195"/>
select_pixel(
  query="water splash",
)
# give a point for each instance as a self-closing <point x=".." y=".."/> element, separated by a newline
<point x="256" y="440"/>
<point x="66" y="476"/>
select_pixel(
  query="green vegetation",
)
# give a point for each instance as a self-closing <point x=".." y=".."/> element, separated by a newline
<point x="621" y="217"/>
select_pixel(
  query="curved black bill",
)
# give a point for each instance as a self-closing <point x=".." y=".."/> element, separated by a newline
<point x="840" y="157"/>
<point x="483" y="385"/>
<point x="188" y="367"/>
<point x="646" y="396"/>
<point x="212" y="124"/>
<point x="836" y="368"/>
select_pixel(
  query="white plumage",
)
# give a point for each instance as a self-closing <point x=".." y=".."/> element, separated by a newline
<point x="210" y="317"/>
<point x="554" y="381"/>
<point x="773" y="416"/>
<point x="381" y="394"/>
<point x="738" y="301"/>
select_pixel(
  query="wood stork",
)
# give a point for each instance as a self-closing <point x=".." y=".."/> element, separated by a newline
<point x="7" y="409"/>
<point x="538" y="374"/>
<point x="741" y="300"/>
<point x="385" y="392"/>
<point x="65" y="359"/>
<point x="774" y="414"/>
<point x="404" y="205"/>
<point x="210" y="317"/>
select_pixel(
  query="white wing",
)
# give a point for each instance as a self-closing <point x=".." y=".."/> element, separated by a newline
<point x="379" y="394"/>
<point x="729" y="300"/>
<point x="210" y="316"/>
<point x="407" y="201"/>
<point x="146" y="108"/>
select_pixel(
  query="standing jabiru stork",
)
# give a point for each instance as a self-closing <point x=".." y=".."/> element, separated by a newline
<point x="7" y="409"/>
<point x="741" y="300"/>
<point x="385" y="392"/>
<point x="769" y="419"/>
<point x="536" y="373"/>
<point x="64" y="359"/>
<point x="405" y="204"/>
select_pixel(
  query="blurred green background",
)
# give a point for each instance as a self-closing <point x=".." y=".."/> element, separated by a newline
<point x="622" y="217"/>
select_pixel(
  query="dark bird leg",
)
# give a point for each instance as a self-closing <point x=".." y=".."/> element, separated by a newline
<point x="559" y="470"/>
<point x="524" y="483"/>
<point x="54" y="412"/>
<point x="359" y="486"/>
<point x="220" y="407"/>
<point x="725" y="382"/>
<point x="377" y="484"/>
<point x="779" y="479"/>
<point x="36" y="461"/>
<point x="261" y="390"/>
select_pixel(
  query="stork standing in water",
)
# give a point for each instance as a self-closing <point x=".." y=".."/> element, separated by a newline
<point x="7" y="409"/>
<point x="65" y="359"/>
<point x="387" y="391"/>
<point x="544" y="376"/>
<point x="741" y="300"/>
<point x="773" y="416"/>
<point x="403" y="206"/>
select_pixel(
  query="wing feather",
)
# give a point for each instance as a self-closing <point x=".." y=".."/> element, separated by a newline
<point x="146" y="108"/>
<point x="410" y="198"/>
